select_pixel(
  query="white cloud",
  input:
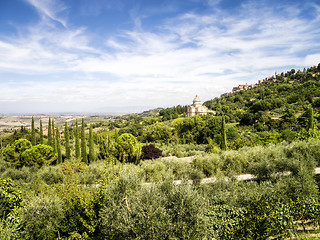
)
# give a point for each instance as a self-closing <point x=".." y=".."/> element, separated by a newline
<point x="203" y="54"/>
<point x="49" y="9"/>
<point x="312" y="59"/>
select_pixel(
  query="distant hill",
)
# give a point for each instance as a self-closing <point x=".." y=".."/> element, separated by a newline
<point x="150" y="113"/>
<point x="294" y="89"/>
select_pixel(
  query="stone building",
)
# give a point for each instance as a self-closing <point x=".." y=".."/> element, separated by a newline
<point x="197" y="108"/>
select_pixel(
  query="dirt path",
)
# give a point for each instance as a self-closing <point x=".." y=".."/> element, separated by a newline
<point x="187" y="159"/>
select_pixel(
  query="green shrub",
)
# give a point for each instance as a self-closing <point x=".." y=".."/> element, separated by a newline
<point x="304" y="152"/>
<point x="233" y="162"/>
<point x="17" y="174"/>
<point x="264" y="161"/>
<point x="9" y="228"/>
<point x="265" y="217"/>
<point x="182" y="150"/>
<point x="51" y="174"/>
<point x="153" y="170"/>
<point x="177" y="168"/>
<point x="73" y="166"/>
<point x="299" y="186"/>
<point x="207" y="163"/>
<point x="260" y="217"/>
<point x="78" y="205"/>
<point x="22" y="153"/>
<point x="92" y="173"/>
<point x="41" y="217"/>
<point x="195" y="175"/>
<point x="4" y="166"/>
<point x="10" y="197"/>
<point x="212" y="147"/>
<point x="163" y="211"/>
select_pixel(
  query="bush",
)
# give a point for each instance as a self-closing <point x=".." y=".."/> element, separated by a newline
<point x="10" y="197"/>
<point x="207" y="163"/>
<point x="18" y="174"/>
<point x="182" y="150"/>
<point x="41" y="217"/>
<point x="163" y="211"/>
<point x="259" y="218"/>
<point x="38" y="155"/>
<point x="92" y="173"/>
<point x="212" y="147"/>
<point x="51" y="174"/>
<point x="264" y="161"/>
<point x="154" y="170"/>
<point x="177" y="168"/>
<point x="233" y="162"/>
<point x="79" y="209"/>
<point x="9" y="228"/>
<point x="150" y="152"/>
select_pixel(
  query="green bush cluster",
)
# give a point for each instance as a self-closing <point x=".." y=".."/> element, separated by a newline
<point x="159" y="211"/>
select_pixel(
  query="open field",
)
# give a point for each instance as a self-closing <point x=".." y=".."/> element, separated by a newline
<point x="15" y="122"/>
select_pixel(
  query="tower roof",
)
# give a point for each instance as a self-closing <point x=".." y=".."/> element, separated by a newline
<point x="196" y="99"/>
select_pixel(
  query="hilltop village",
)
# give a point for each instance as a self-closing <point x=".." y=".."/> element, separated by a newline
<point x="275" y="78"/>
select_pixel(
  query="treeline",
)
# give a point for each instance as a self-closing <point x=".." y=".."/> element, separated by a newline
<point x="173" y="112"/>
<point x="28" y="148"/>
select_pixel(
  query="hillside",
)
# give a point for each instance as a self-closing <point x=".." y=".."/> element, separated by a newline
<point x="294" y="90"/>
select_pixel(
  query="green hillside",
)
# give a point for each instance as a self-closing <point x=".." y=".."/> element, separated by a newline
<point x="295" y="90"/>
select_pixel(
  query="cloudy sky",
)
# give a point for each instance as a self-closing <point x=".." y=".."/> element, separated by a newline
<point x="133" y="55"/>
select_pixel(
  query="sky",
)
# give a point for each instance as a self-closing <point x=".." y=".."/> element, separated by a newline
<point x="116" y="56"/>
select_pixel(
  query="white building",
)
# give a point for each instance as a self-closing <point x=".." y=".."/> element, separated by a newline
<point x="197" y="108"/>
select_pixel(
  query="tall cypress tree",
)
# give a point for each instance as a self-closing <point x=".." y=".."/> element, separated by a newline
<point x="116" y="135"/>
<point x="67" y="141"/>
<point x="224" y="135"/>
<point x="53" y="136"/>
<point x="310" y="118"/>
<point x="77" y="144"/>
<point x="33" y="133"/>
<point x="91" y="146"/>
<point x="58" y="145"/>
<point x="41" y="132"/>
<point x="83" y="144"/>
<point x="54" y="144"/>
<point x="49" y="133"/>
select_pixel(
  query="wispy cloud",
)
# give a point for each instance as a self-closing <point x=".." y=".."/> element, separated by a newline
<point x="191" y="53"/>
<point x="49" y="9"/>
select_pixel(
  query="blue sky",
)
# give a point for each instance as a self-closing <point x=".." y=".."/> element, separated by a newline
<point x="133" y="55"/>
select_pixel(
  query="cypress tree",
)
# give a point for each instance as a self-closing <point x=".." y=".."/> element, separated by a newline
<point x="91" y="146"/>
<point x="224" y="135"/>
<point x="83" y="144"/>
<point x="58" y="145"/>
<point x="310" y="119"/>
<point x="67" y="141"/>
<point x="41" y="132"/>
<point x="54" y="146"/>
<point x="116" y="135"/>
<point x="49" y="133"/>
<point x="33" y="133"/>
<point x="77" y="144"/>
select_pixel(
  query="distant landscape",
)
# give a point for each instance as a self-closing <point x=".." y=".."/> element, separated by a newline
<point x="245" y="169"/>
<point x="159" y="119"/>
